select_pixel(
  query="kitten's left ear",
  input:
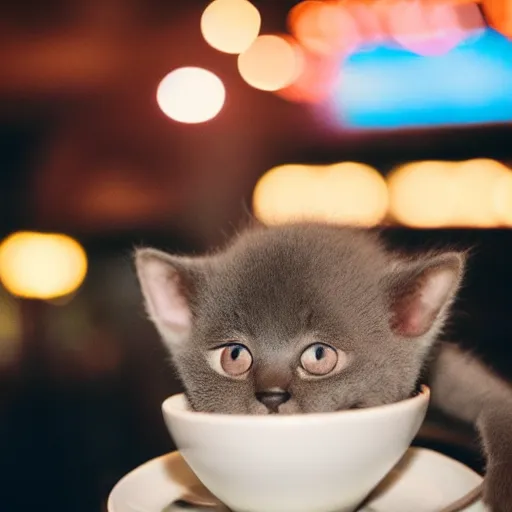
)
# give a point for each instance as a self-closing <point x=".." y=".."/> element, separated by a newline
<point x="169" y="285"/>
<point x="421" y="292"/>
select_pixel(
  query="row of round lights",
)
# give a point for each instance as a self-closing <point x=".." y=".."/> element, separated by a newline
<point x="430" y="194"/>
<point x="326" y="30"/>
<point x="303" y="65"/>
<point x="474" y="193"/>
<point x="41" y="265"/>
<point x="323" y="31"/>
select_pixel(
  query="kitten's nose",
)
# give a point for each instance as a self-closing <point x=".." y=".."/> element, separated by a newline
<point x="273" y="399"/>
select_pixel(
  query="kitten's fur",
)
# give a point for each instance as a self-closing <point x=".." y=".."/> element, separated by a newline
<point x="278" y="290"/>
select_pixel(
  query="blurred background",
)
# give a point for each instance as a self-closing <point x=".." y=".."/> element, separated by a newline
<point x="170" y="123"/>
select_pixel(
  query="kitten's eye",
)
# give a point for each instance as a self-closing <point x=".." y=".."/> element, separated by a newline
<point x="233" y="360"/>
<point x="319" y="359"/>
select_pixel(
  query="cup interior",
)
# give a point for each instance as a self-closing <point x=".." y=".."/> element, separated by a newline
<point x="178" y="406"/>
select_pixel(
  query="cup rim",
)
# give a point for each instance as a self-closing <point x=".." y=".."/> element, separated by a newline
<point x="174" y="407"/>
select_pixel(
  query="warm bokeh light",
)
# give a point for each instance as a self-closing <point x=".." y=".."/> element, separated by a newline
<point x="324" y="27"/>
<point x="315" y="83"/>
<point x="41" y="266"/>
<point x="499" y="15"/>
<point x="353" y="193"/>
<point x="370" y="19"/>
<point x="502" y="199"/>
<point x="230" y="26"/>
<point x="191" y="95"/>
<point x="271" y="63"/>
<point x="470" y="16"/>
<point x="347" y="193"/>
<point x="430" y="194"/>
<point x="283" y="193"/>
<point x="476" y="182"/>
<point x="475" y="193"/>
<point x="10" y="331"/>
<point x="423" y="194"/>
<point x="427" y="29"/>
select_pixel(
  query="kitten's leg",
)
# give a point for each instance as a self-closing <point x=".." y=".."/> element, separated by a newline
<point x="465" y="388"/>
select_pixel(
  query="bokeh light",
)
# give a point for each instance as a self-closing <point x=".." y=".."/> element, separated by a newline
<point x="471" y="18"/>
<point x="316" y="82"/>
<point x="476" y="182"/>
<point x="348" y="193"/>
<point x="271" y="63"/>
<point x="423" y="194"/>
<point x="502" y="199"/>
<point x="324" y="27"/>
<point x="499" y="15"/>
<point x="41" y="266"/>
<point x="475" y="193"/>
<point x="191" y="95"/>
<point x="10" y="331"/>
<point x="370" y="19"/>
<point x="428" y="29"/>
<point x="283" y="194"/>
<point x="230" y="26"/>
<point x="354" y="193"/>
<point x="386" y="87"/>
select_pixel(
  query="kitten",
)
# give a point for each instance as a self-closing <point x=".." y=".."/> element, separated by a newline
<point x="311" y="318"/>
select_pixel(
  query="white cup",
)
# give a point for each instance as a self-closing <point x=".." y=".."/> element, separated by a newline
<point x="327" y="462"/>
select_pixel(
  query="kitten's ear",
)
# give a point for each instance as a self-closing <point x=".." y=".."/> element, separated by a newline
<point x="169" y="284"/>
<point x="421" y="292"/>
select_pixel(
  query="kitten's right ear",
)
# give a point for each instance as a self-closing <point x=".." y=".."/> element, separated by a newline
<point x="169" y="284"/>
<point x="421" y="291"/>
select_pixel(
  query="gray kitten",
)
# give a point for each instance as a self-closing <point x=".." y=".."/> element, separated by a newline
<point x="312" y="318"/>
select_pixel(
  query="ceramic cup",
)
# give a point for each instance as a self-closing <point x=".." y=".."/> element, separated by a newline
<point x="327" y="462"/>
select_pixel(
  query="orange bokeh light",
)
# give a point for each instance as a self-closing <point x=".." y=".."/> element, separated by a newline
<point x="41" y="265"/>
<point x="370" y="18"/>
<point x="324" y="27"/>
<point x="499" y="15"/>
<point x="316" y="81"/>
<point x="271" y="63"/>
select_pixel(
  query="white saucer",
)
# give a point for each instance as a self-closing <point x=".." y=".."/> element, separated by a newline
<point x="424" y="481"/>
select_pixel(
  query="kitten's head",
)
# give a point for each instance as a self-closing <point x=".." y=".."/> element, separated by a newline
<point x="302" y="318"/>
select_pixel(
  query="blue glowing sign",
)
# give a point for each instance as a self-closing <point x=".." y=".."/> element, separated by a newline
<point x="387" y="88"/>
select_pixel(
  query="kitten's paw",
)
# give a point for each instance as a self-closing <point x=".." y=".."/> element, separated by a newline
<point x="498" y="487"/>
